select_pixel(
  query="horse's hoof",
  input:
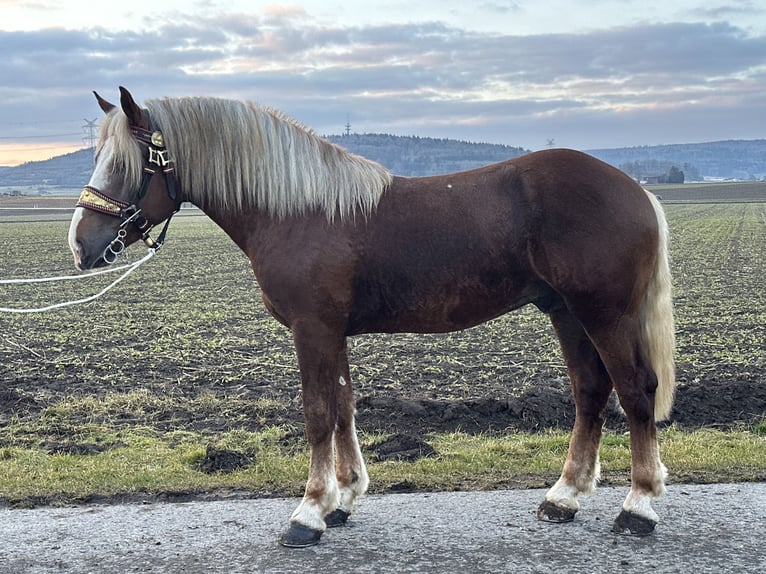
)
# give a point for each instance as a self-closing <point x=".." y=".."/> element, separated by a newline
<point x="299" y="536"/>
<point x="336" y="518"/>
<point x="550" y="512"/>
<point x="632" y="523"/>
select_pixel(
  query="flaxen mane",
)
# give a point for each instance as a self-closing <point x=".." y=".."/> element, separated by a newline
<point x="234" y="154"/>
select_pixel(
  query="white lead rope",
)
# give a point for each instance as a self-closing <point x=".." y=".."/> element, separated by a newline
<point x="129" y="268"/>
<point x="66" y="277"/>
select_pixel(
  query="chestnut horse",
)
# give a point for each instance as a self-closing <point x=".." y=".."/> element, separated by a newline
<point x="341" y="247"/>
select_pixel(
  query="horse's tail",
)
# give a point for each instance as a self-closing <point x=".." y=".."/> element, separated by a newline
<point x="658" y="330"/>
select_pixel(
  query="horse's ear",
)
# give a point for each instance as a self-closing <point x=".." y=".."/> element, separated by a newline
<point x="131" y="108"/>
<point x="103" y="104"/>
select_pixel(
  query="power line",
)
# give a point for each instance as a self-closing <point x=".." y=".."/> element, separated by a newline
<point x="38" y="137"/>
<point x="90" y="132"/>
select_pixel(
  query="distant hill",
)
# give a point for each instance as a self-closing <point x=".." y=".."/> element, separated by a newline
<point x="71" y="170"/>
<point x="730" y="159"/>
<point x="414" y="156"/>
<point x="411" y="156"/>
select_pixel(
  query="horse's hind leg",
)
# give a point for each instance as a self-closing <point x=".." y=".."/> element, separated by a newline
<point x="636" y="385"/>
<point x="591" y="387"/>
<point x="349" y="464"/>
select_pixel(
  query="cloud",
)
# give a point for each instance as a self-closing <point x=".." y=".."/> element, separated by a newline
<point x="617" y="84"/>
<point x="726" y="11"/>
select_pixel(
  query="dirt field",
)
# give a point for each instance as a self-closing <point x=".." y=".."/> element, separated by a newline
<point x="186" y="344"/>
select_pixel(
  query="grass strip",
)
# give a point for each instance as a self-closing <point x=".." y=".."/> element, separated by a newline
<point x="142" y="462"/>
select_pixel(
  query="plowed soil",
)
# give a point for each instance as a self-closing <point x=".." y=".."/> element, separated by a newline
<point x="191" y="337"/>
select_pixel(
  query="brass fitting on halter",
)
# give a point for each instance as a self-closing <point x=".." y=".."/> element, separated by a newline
<point x="95" y="200"/>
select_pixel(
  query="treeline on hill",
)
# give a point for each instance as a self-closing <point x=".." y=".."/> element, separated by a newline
<point x="660" y="171"/>
<point x="418" y="156"/>
<point x="730" y="159"/>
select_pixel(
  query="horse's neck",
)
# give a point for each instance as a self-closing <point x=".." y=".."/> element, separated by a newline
<point x="253" y="230"/>
<point x="241" y="227"/>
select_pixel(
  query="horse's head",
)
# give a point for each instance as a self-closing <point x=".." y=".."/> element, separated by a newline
<point x="132" y="188"/>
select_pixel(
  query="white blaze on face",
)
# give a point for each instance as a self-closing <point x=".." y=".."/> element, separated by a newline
<point x="98" y="180"/>
<point x="78" y="213"/>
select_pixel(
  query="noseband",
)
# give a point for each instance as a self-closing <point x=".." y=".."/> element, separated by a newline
<point x="130" y="213"/>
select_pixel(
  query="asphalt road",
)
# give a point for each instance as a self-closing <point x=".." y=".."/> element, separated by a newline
<point x="703" y="529"/>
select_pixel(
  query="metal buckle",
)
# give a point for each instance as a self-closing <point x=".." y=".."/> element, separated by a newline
<point x="130" y="218"/>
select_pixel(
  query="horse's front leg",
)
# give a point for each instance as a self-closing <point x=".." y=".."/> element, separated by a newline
<point x="349" y="464"/>
<point x="319" y="351"/>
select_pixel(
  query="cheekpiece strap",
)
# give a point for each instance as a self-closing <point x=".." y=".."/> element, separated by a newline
<point x="158" y="155"/>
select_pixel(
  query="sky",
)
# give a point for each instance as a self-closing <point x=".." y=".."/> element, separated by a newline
<point x="528" y="73"/>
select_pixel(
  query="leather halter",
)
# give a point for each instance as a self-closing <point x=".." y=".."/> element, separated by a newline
<point x="130" y="213"/>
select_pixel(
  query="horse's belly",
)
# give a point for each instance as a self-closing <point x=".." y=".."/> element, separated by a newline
<point x="437" y="307"/>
